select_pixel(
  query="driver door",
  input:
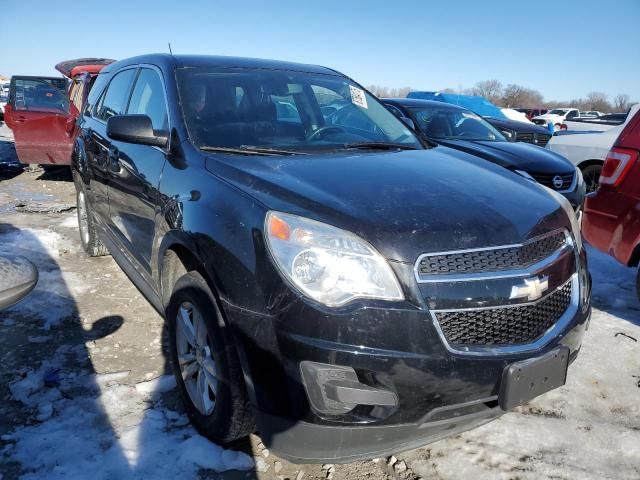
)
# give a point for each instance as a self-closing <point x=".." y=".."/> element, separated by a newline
<point x="38" y="114"/>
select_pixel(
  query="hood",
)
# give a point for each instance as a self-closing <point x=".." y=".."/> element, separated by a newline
<point x="516" y="156"/>
<point x="403" y="203"/>
<point x="516" y="126"/>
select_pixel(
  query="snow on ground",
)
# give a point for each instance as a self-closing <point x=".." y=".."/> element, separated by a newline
<point x="88" y="423"/>
<point x="50" y="301"/>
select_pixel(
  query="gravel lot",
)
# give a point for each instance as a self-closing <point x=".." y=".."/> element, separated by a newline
<point x="85" y="385"/>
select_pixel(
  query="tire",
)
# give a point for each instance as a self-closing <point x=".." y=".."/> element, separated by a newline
<point x="591" y="176"/>
<point x="231" y="416"/>
<point x="91" y="243"/>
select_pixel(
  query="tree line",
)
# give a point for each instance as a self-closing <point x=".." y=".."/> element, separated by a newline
<point x="517" y="96"/>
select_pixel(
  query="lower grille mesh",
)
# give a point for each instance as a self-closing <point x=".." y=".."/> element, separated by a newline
<point x="505" y="326"/>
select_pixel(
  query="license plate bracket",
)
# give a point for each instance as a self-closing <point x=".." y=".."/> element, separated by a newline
<point x="526" y="379"/>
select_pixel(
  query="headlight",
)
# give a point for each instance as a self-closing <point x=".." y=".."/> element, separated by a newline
<point x="327" y="264"/>
<point x="573" y="218"/>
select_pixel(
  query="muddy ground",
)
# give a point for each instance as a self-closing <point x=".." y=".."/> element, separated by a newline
<point x="89" y="322"/>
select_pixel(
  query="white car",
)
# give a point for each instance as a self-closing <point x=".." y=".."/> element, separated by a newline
<point x="588" y="150"/>
<point x="556" y="116"/>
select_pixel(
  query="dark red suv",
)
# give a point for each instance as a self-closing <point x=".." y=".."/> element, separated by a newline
<point x="42" y="111"/>
<point x="611" y="221"/>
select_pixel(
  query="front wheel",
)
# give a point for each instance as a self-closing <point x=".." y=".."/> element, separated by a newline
<point x="205" y="363"/>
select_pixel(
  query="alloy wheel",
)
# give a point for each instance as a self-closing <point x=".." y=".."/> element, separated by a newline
<point x="83" y="220"/>
<point x="197" y="366"/>
<point x="592" y="179"/>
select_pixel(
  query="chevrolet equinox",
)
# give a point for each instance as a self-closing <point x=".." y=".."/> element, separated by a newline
<point x="327" y="277"/>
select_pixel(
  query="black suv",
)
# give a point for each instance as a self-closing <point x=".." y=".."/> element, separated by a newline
<point x="341" y="287"/>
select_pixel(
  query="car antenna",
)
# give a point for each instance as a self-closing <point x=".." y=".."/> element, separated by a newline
<point x="170" y="52"/>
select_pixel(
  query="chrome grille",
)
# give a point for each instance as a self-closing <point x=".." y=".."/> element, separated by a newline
<point x="542" y="139"/>
<point x="507" y="325"/>
<point x="547" y="181"/>
<point x="528" y="137"/>
<point x="492" y="260"/>
<point x="536" y="138"/>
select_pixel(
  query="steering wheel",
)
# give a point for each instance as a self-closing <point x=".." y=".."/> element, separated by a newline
<point x="322" y="130"/>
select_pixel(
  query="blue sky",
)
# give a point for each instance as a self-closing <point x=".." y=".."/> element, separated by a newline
<point x="564" y="49"/>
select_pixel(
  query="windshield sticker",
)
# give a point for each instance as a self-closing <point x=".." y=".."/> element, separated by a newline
<point x="357" y="97"/>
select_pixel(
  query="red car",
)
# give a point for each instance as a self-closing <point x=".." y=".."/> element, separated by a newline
<point x="42" y="111"/>
<point x="611" y="220"/>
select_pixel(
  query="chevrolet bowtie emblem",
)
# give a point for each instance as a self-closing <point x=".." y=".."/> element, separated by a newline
<point x="532" y="289"/>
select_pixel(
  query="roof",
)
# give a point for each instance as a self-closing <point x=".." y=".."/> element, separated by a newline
<point x="416" y="103"/>
<point x="29" y="77"/>
<point x="190" y="61"/>
<point x="477" y="104"/>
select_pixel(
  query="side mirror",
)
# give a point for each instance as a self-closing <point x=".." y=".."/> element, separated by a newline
<point x="408" y="122"/>
<point x="136" y="129"/>
<point x="18" y="277"/>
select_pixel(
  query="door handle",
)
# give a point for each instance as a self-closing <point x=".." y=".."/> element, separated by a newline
<point x="20" y="119"/>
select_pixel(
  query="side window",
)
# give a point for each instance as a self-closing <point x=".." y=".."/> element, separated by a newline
<point x="148" y="99"/>
<point x="328" y="100"/>
<point x="286" y="109"/>
<point x="114" y="100"/>
<point x="572" y="114"/>
<point x="395" y="110"/>
<point x="39" y="95"/>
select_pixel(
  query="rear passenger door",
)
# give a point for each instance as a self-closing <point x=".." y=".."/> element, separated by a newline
<point x="136" y="171"/>
<point x="38" y="114"/>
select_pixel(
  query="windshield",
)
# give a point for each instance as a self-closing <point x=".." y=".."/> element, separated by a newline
<point x="557" y="111"/>
<point x="283" y="110"/>
<point x="450" y="124"/>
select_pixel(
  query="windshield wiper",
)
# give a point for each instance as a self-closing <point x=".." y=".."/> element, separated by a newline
<point x="250" y="150"/>
<point x="379" y="146"/>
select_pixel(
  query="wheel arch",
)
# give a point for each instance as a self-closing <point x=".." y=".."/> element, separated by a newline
<point x="179" y="254"/>
<point x="587" y="163"/>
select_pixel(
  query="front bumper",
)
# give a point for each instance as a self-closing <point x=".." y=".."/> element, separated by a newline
<point x="304" y="442"/>
<point x="389" y="347"/>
